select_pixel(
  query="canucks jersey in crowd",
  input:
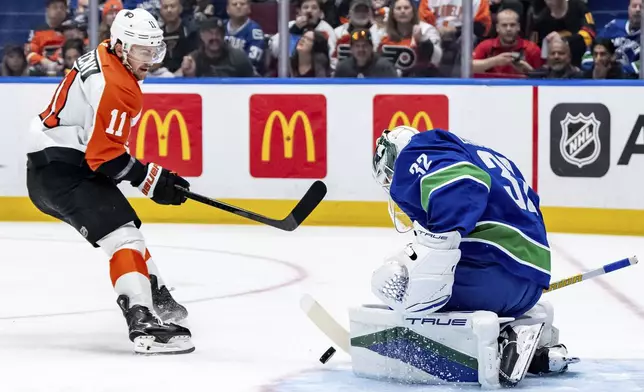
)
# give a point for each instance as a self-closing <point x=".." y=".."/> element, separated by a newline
<point x="627" y="45"/>
<point x="249" y="37"/>
<point x="448" y="184"/>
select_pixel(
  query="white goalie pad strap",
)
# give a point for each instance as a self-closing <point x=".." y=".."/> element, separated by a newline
<point x="437" y="348"/>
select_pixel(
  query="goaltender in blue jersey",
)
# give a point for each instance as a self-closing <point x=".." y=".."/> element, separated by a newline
<point x="472" y="204"/>
<point x="480" y="245"/>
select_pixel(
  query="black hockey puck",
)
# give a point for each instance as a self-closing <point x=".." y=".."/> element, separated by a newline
<point x="327" y="355"/>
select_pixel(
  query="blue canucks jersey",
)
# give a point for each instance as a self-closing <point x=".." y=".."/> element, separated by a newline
<point x="249" y="38"/>
<point x="627" y="45"/>
<point x="446" y="183"/>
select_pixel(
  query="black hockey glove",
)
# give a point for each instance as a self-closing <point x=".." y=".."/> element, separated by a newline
<point x="159" y="185"/>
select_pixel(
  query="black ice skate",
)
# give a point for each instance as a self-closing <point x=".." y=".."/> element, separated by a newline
<point x="551" y="360"/>
<point x="165" y="306"/>
<point x="517" y="345"/>
<point x="150" y="335"/>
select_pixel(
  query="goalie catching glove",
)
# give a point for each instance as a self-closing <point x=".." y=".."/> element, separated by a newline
<point x="159" y="185"/>
<point x="420" y="278"/>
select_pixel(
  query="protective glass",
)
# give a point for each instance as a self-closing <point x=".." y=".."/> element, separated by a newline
<point x="147" y="54"/>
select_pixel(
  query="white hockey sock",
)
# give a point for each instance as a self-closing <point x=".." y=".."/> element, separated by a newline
<point x="153" y="269"/>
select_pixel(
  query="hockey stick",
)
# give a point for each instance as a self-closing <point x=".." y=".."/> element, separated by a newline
<point x="340" y="336"/>
<point x="302" y="210"/>
<point x="614" y="266"/>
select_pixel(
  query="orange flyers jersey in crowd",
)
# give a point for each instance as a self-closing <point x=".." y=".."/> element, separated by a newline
<point x="403" y="53"/>
<point x="449" y="12"/>
<point x="44" y="42"/>
<point x="92" y="109"/>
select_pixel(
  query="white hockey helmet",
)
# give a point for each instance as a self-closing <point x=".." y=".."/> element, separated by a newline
<point x="388" y="148"/>
<point x="139" y="33"/>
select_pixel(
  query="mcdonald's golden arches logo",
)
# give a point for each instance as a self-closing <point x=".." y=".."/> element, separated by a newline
<point x="422" y="112"/>
<point x="401" y="118"/>
<point x="300" y="149"/>
<point x="288" y="133"/>
<point x="173" y="138"/>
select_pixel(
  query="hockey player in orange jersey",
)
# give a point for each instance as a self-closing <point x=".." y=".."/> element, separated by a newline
<point x="77" y="156"/>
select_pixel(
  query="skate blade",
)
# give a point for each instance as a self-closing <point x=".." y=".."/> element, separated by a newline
<point x="147" y="345"/>
<point x="531" y="338"/>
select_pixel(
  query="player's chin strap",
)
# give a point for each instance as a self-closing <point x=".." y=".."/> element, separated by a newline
<point x="420" y="278"/>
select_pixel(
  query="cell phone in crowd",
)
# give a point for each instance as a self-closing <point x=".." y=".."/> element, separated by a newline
<point x="517" y="56"/>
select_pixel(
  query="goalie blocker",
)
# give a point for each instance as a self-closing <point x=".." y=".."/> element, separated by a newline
<point x="455" y="347"/>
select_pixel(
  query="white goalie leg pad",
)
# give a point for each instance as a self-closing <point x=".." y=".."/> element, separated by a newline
<point x="432" y="348"/>
<point x="420" y="278"/>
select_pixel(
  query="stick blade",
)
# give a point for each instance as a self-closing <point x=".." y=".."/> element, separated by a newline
<point x="305" y="206"/>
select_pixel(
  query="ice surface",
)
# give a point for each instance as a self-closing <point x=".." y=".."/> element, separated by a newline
<point x="61" y="330"/>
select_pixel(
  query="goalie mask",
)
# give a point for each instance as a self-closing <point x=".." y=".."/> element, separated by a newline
<point x="388" y="148"/>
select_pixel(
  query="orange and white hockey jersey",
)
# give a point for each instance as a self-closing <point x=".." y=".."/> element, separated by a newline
<point x="403" y="53"/>
<point x="450" y="12"/>
<point x="90" y="115"/>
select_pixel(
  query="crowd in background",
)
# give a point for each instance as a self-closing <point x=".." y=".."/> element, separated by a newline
<point x="555" y="39"/>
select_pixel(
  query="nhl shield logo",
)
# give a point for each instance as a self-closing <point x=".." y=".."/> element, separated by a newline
<point x="580" y="144"/>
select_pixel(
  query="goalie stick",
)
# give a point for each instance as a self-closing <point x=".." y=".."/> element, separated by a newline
<point x="302" y="210"/>
<point x="340" y="336"/>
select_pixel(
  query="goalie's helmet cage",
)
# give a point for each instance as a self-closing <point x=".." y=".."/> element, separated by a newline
<point x="138" y="28"/>
<point x="388" y="148"/>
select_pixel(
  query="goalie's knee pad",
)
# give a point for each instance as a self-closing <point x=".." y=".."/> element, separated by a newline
<point x="420" y="278"/>
<point x="432" y="348"/>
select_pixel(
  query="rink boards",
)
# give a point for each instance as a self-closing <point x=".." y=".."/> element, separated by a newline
<point x="261" y="143"/>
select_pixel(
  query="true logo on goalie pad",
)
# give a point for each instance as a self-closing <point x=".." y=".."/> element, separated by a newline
<point x="437" y="321"/>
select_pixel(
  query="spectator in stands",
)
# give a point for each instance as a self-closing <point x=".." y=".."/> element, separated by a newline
<point x="152" y="6"/>
<point x="446" y="15"/>
<point x="496" y="6"/>
<point x="380" y="14"/>
<point x="330" y="13"/>
<point x="110" y="9"/>
<point x="215" y="57"/>
<point x="45" y="41"/>
<point x="202" y="10"/>
<point x="14" y="62"/>
<point x="359" y="18"/>
<point x="309" y="17"/>
<point x="625" y="34"/>
<point x="605" y="65"/>
<point x="363" y="62"/>
<point x="423" y="68"/>
<point x="311" y="56"/>
<point x="76" y="28"/>
<point x="404" y="32"/>
<point x="180" y="39"/>
<point x="244" y="33"/>
<point x="72" y="50"/>
<point x="507" y="54"/>
<point x="559" y="64"/>
<point x="568" y="19"/>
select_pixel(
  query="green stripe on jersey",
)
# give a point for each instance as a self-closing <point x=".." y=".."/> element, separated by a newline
<point x="447" y="175"/>
<point x="512" y="242"/>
